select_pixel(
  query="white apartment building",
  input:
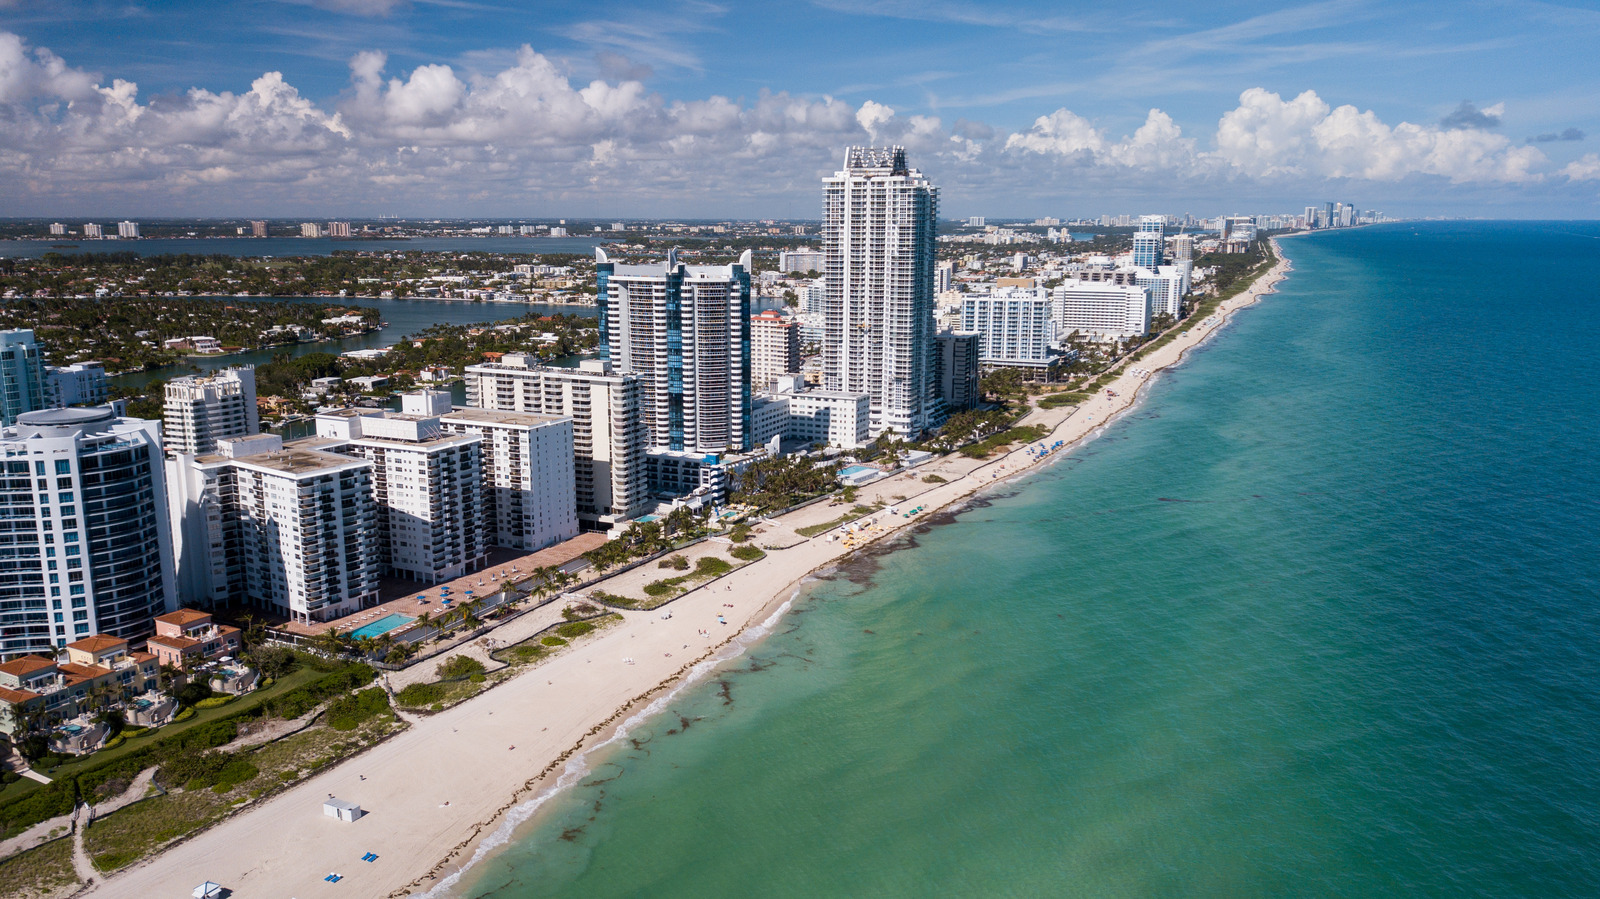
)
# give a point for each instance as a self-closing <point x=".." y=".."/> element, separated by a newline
<point x="58" y="229"/>
<point x="85" y="541"/>
<point x="774" y="349"/>
<point x="428" y="485"/>
<point x="1014" y="327"/>
<point x="201" y="409"/>
<point x="1167" y="285"/>
<point x="803" y="259"/>
<point x="288" y="528"/>
<point x="530" y="498"/>
<point x="311" y="229"/>
<point x="879" y="235"/>
<point x="79" y="384"/>
<point x="1101" y="309"/>
<point x="830" y="417"/>
<point x="609" y="436"/>
<point x="685" y="329"/>
<point x="93" y="231"/>
<point x="128" y="229"/>
<point x="337" y="229"/>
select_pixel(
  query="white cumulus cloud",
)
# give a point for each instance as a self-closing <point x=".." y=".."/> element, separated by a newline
<point x="524" y="135"/>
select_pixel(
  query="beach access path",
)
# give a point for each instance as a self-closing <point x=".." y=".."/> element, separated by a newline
<point x="436" y="790"/>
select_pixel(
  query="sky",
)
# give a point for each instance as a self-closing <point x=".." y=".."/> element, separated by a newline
<point x="692" y="109"/>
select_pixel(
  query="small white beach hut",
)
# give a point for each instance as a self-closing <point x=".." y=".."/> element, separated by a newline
<point x="208" y="890"/>
<point x="339" y="808"/>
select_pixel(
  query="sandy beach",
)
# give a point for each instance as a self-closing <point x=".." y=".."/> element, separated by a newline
<point x="454" y="784"/>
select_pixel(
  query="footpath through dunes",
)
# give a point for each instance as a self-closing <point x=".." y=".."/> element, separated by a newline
<point x="436" y="792"/>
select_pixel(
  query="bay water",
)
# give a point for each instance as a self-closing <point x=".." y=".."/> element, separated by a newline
<point x="1320" y="617"/>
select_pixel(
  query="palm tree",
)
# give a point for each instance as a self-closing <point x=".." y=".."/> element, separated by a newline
<point x="330" y="641"/>
<point x="167" y="679"/>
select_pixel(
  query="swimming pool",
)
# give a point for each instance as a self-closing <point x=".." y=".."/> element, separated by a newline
<point x="382" y="626"/>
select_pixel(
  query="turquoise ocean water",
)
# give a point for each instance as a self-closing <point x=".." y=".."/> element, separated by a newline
<point x="1320" y="618"/>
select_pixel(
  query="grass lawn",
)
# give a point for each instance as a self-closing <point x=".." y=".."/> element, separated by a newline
<point x="25" y="785"/>
<point x="45" y="871"/>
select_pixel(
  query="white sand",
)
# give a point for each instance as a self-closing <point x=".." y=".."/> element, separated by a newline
<point x="434" y="792"/>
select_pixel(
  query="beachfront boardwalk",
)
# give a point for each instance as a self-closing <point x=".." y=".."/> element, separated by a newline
<point x="436" y="790"/>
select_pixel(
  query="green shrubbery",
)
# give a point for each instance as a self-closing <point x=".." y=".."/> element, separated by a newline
<point x="711" y="566"/>
<point x="212" y="702"/>
<point x="747" y="553"/>
<point x="342" y="679"/>
<point x="572" y="630"/>
<point x="419" y="695"/>
<point x="1057" y="400"/>
<point x="459" y="666"/>
<point x="1024" y="434"/>
<point x="552" y="641"/>
<point x="348" y="712"/>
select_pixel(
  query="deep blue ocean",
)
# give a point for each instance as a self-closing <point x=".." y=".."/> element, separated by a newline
<point x="1321" y="617"/>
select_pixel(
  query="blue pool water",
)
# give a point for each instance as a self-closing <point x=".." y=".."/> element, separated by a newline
<point x="382" y="626"/>
<point x="854" y="470"/>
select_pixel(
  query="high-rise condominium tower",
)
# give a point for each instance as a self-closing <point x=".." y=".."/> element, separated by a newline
<point x="89" y="545"/>
<point x="202" y="409"/>
<point x="686" y="330"/>
<point x="879" y="221"/>
<point x="23" y="387"/>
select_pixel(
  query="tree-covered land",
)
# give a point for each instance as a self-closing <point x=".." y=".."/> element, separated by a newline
<point x="356" y="273"/>
<point x="127" y="334"/>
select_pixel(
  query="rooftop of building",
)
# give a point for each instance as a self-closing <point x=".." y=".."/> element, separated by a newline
<point x="183" y="617"/>
<point x="98" y="643"/>
<point x="23" y="666"/>
<point x="68" y="417"/>
<point x="178" y="643"/>
<point x="77" y="674"/>
<point x="498" y="417"/>
<point x="16" y="697"/>
<point x="297" y="458"/>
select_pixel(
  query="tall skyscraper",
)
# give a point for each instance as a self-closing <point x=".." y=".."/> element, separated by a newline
<point x="686" y="330"/>
<point x="879" y="229"/>
<point x="88" y="544"/>
<point x="201" y="409"/>
<point x="258" y="228"/>
<point x="1148" y="241"/>
<point x="128" y="229"/>
<point x="23" y="387"/>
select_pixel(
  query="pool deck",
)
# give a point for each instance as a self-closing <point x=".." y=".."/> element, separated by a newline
<point x="398" y="596"/>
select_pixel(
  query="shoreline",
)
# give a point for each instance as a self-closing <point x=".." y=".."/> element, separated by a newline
<point x="437" y="784"/>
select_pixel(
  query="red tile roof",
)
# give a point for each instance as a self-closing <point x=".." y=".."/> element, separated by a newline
<point x="26" y="665"/>
<point x="183" y="617"/>
<point x="98" y="643"/>
<point x="16" y="697"/>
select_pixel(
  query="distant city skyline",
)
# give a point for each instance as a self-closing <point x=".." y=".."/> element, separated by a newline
<point x="355" y="108"/>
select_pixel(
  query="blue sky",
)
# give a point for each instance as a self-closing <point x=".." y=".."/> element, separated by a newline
<point x="476" y="107"/>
